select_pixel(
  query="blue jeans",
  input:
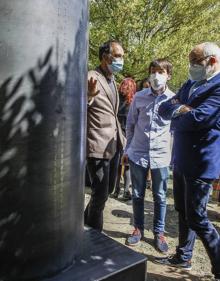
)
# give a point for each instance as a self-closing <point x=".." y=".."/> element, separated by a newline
<point x="159" y="188"/>
<point x="191" y="197"/>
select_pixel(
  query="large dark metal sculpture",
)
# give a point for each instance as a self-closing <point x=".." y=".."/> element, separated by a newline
<point x="43" y="77"/>
<point x="43" y="58"/>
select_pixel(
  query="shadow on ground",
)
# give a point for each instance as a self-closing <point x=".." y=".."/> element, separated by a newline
<point x="176" y="274"/>
<point x="115" y="234"/>
<point x="182" y="277"/>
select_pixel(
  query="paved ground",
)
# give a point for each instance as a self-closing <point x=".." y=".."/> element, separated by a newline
<point x="118" y="224"/>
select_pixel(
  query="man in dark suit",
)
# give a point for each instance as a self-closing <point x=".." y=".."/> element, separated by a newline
<point x="104" y="134"/>
<point x="195" y="115"/>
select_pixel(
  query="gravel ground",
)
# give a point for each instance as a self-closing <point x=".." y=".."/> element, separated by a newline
<point x="118" y="224"/>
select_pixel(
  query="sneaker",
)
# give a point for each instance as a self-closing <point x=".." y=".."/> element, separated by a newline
<point x="127" y="195"/>
<point x="134" y="238"/>
<point x="160" y="243"/>
<point x="174" y="261"/>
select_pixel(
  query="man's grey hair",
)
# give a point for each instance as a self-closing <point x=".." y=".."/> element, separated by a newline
<point x="211" y="49"/>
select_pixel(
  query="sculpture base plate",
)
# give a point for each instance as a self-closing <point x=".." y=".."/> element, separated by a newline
<point x="104" y="259"/>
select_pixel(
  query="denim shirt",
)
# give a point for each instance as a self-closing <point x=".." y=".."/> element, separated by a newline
<point x="148" y="134"/>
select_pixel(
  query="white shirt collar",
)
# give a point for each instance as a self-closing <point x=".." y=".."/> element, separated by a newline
<point x="213" y="75"/>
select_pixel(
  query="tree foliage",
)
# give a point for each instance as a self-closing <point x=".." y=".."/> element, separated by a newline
<point x="150" y="29"/>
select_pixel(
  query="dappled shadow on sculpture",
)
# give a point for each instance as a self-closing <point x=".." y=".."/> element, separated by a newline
<point x="42" y="127"/>
<point x="42" y="162"/>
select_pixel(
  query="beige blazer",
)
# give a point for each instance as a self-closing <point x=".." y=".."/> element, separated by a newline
<point x="104" y="134"/>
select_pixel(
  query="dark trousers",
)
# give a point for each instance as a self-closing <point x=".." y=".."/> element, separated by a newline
<point x="103" y="176"/>
<point x="191" y="196"/>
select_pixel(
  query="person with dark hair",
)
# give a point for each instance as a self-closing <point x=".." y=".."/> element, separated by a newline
<point x="104" y="135"/>
<point x="160" y="63"/>
<point x="195" y="115"/>
<point x="148" y="147"/>
<point x="127" y="89"/>
<point x="144" y="83"/>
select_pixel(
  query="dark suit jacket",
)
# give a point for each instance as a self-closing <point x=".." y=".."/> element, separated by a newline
<point x="104" y="134"/>
<point x="197" y="133"/>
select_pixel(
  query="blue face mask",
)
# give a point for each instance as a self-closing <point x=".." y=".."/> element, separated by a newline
<point x="200" y="72"/>
<point x="116" y="65"/>
<point x="197" y="72"/>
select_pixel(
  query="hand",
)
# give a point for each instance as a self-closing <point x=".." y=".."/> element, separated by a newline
<point x="185" y="108"/>
<point x="92" y="88"/>
<point x="124" y="159"/>
<point x="175" y="101"/>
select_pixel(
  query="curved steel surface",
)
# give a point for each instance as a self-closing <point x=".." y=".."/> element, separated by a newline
<point x="43" y="73"/>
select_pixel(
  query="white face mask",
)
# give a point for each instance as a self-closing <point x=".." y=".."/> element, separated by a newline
<point x="199" y="72"/>
<point x="158" y="81"/>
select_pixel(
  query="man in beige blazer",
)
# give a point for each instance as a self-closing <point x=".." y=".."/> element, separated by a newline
<point x="104" y="134"/>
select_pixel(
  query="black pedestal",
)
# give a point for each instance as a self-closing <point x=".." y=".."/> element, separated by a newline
<point x="105" y="259"/>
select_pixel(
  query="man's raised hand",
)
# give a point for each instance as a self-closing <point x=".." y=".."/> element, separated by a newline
<point x="92" y="88"/>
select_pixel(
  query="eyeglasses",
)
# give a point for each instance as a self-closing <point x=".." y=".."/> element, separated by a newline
<point x="198" y="61"/>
